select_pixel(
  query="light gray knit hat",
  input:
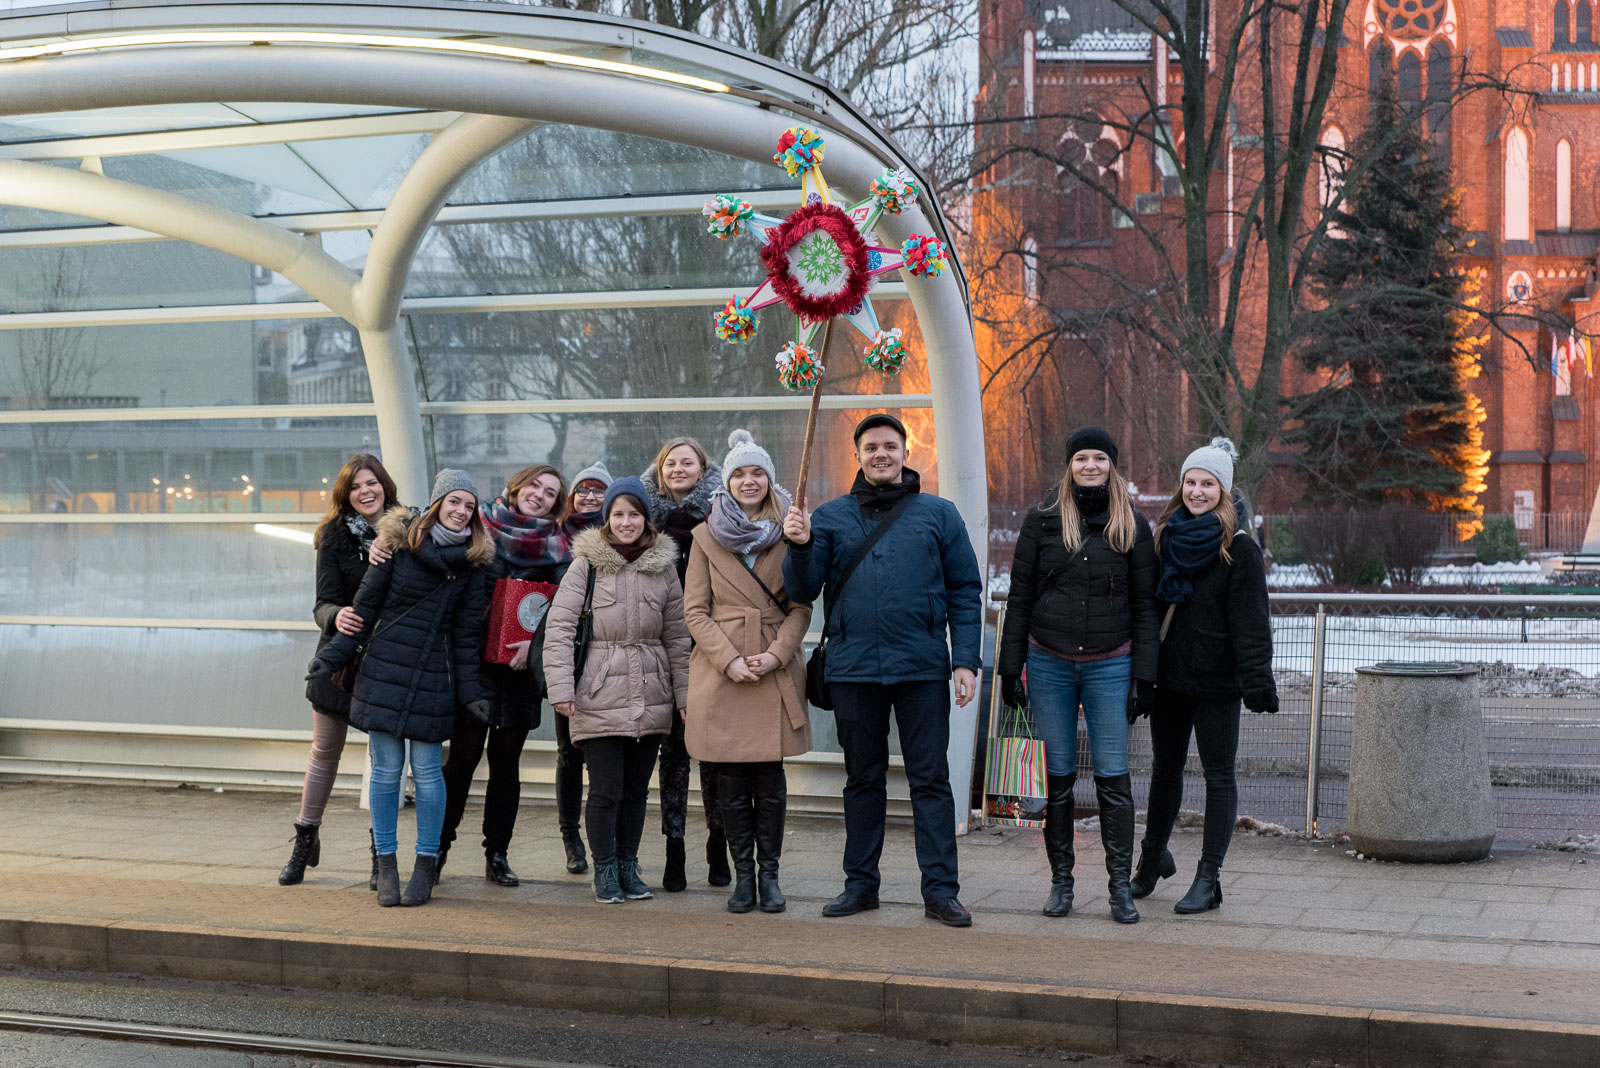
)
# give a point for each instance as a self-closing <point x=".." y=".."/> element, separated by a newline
<point x="596" y="471"/>
<point x="744" y="452"/>
<point x="448" y="481"/>
<point x="1217" y="458"/>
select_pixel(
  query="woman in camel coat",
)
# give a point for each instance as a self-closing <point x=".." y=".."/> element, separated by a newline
<point x="747" y="678"/>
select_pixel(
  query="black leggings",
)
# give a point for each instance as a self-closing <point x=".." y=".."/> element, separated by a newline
<point x="619" y="786"/>
<point x="569" y="779"/>
<point x="504" y="793"/>
<point x="1215" y="726"/>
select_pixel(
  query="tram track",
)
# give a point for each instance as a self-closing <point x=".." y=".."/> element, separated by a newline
<point x="248" y="1042"/>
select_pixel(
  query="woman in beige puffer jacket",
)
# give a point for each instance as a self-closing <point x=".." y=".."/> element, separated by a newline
<point x="635" y="678"/>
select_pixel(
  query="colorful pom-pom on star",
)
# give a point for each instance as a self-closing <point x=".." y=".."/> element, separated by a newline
<point x="799" y="150"/>
<point x="726" y="214"/>
<point x="735" y="322"/>
<point x="894" y="191"/>
<point x="887" y="353"/>
<point x="798" y="367"/>
<point x="924" y="256"/>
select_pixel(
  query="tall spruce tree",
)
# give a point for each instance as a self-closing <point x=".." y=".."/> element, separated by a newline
<point x="1394" y="419"/>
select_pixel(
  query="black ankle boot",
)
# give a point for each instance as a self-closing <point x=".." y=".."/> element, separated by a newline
<point x="772" y="802"/>
<point x="1116" y="835"/>
<point x="577" y="862"/>
<point x="497" y="870"/>
<point x="372" y="847"/>
<point x="717" y="873"/>
<point x="1058" y="812"/>
<point x="675" y="877"/>
<point x="307" y="850"/>
<point x="438" y="863"/>
<point x="420" y="889"/>
<point x="1205" y="893"/>
<point x="388" y="880"/>
<point x="1154" y="865"/>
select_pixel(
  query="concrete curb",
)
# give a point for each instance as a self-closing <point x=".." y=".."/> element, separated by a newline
<point x="914" y="1007"/>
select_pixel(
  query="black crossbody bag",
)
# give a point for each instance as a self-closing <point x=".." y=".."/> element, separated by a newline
<point x="583" y="634"/>
<point x="817" y="690"/>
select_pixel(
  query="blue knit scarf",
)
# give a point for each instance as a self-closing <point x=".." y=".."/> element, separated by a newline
<point x="1188" y="545"/>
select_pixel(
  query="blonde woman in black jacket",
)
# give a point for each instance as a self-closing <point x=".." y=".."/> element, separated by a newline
<point x="1081" y="615"/>
<point x="1217" y="651"/>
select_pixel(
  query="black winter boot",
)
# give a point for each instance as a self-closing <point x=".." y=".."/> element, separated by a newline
<point x="423" y="876"/>
<point x="438" y="865"/>
<point x="607" y="890"/>
<point x="372" y="847"/>
<point x="577" y="861"/>
<point x="717" y="873"/>
<point x="307" y="850"/>
<point x="772" y="802"/>
<point x="497" y="870"/>
<point x="1206" y="892"/>
<point x="388" y="880"/>
<point x="1154" y="865"/>
<point x="739" y="825"/>
<point x="675" y="877"/>
<point x="1116" y="835"/>
<point x="1058" y="812"/>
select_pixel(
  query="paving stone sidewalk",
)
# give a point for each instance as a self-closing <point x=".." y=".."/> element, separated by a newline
<point x="1515" y="936"/>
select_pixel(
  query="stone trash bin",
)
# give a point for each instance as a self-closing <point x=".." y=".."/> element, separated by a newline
<point x="1419" y="769"/>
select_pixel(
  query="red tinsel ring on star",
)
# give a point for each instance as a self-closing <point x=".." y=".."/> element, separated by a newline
<point x="775" y="254"/>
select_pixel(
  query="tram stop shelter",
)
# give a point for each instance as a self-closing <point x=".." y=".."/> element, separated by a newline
<point x="240" y="242"/>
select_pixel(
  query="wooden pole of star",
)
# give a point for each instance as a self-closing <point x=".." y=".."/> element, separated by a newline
<point x="811" y="421"/>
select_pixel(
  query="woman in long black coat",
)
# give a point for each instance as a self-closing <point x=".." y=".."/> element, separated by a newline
<point x="531" y="543"/>
<point x="1216" y="652"/>
<point x="346" y="535"/>
<point x="418" y="663"/>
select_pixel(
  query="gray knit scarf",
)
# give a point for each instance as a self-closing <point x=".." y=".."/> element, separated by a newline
<point x="737" y="532"/>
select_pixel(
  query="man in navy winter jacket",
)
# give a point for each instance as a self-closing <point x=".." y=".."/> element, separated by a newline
<point x="887" y="649"/>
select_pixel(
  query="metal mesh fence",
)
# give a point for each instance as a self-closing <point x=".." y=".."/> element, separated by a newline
<point x="1539" y="663"/>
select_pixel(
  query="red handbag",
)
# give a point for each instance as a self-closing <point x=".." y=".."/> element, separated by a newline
<point x="516" y="613"/>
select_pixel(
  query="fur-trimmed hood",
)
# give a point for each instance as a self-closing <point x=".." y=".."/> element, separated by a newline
<point x="591" y="545"/>
<point x="697" y="502"/>
<point x="394" y="523"/>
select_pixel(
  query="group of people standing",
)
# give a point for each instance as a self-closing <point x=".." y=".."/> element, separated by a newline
<point x="1127" y="623"/>
<point x="682" y="599"/>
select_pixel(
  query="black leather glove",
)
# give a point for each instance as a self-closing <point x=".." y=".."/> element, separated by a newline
<point x="1012" y="692"/>
<point x="1262" y="703"/>
<point x="317" y="670"/>
<point x="478" y="712"/>
<point x="1141" y="699"/>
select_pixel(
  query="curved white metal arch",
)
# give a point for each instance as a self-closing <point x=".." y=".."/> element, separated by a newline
<point x="456" y="83"/>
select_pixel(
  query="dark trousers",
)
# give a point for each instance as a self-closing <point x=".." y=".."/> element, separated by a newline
<point x="675" y="786"/>
<point x="619" y="787"/>
<point x="569" y="779"/>
<point x="922" y="712"/>
<point x="467" y="745"/>
<point x="1215" y="726"/>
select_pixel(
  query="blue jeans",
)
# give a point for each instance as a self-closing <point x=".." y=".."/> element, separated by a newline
<point x="1056" y="687"/>
<point x="427" y="770"/>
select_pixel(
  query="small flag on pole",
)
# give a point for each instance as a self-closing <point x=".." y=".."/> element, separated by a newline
<point x="1555" y="355"/>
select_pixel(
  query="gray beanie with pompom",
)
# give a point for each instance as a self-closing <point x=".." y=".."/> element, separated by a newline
<point x="1217" y="458"/>
<point x="744" y="452"/>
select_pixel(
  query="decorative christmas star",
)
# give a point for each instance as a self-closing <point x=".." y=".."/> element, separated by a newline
<point x="822" y="261"/>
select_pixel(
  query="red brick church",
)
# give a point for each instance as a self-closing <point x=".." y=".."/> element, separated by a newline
<point x="1525" y="162"/>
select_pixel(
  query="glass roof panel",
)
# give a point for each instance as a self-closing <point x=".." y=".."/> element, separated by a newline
<point x="153" y="118"/>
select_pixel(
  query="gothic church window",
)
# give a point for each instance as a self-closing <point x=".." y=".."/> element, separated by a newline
<point x="1515" y="201"/>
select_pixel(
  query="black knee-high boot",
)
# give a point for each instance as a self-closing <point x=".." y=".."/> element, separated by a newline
<point x="772" y="802"/>
<point x="1116" y="834"/>
<point x="1058" y="812"/>
<point x="739" y="824"/>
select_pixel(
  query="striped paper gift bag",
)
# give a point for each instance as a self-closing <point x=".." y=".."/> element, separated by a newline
<point x="1017" y="788"/>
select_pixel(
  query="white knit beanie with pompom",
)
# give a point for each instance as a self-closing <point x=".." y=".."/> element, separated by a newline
<point x="743" y="452"/>
<point x="1217" y="457"/>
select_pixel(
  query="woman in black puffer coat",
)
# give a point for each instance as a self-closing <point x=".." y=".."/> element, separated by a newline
<point x="420" y="661"/>
<point x="1081" y="615"/>
<point x="361" y="493"/>
<point x="1216" y="650"/>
